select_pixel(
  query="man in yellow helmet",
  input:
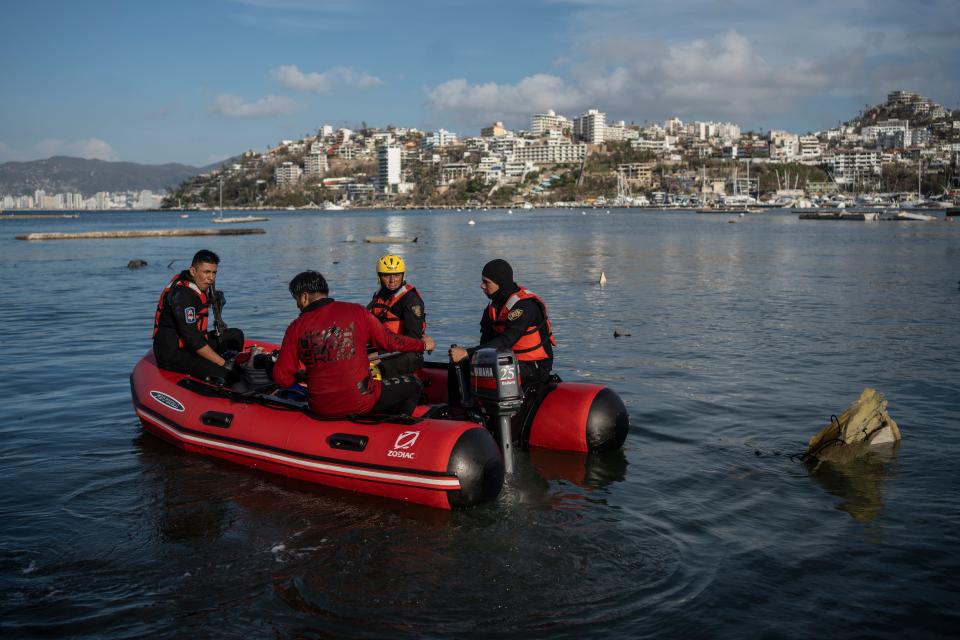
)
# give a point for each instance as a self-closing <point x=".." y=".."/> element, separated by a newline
<point x="398" y="305"/>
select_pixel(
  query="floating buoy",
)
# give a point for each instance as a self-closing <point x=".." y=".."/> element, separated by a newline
<point x="603" y="278"/>
<point x="510" y="211"/>
<point x="742" y="214"/>
<point x="583" y="213"/>
<point x="471" y="223"/>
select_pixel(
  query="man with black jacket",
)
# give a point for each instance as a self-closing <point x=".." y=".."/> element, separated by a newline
<point x="398" y="305"/>
<point x="515" y="319"/>
<point x="181" y="341"/>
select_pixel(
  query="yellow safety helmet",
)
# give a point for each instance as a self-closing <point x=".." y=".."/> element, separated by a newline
<point x="391" y="264"/>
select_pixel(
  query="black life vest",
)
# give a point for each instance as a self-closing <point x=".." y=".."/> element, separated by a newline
<point x="182" y="279"/>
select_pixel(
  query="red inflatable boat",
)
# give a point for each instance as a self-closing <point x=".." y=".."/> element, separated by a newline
<point x="446" y="456"/>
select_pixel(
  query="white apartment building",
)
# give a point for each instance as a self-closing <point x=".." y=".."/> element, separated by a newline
<point x="873" y="132"/>
<point x="619" y="132"/>
<point x="348" y="150"/>
<point x="287" y="173"/>
<point x="784" y="146"/>
<point x="315" y="163"/>
<point x="454" y="171"/>
<point x="490" y="169"/>
<point x="853" y="167"/>
<point x="389" y="161"/>
<point x="476" y="145"/>
<point x="505" y="146"/>
<point x="654" y="145"/>
<point x="590" y="127"/>
<point x="563" y="153"/>
<point x="439" y="139"/>
<point x="810" y="151"/>
<point x="541" y="123"/>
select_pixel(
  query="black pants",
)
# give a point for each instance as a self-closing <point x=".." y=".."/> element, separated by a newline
<point x="401" y="365"/>
<point x="171" y="357"/>
<point x="535" y="372"/>
<point x="398" y="395"/>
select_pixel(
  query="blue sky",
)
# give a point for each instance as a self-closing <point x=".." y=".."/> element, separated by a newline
<point x="198" y="81"/>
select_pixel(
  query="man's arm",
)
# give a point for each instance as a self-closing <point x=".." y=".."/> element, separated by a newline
<point x="386" y="341"/>
<point x="288" y="363"/>
<point x="412" y="315"/>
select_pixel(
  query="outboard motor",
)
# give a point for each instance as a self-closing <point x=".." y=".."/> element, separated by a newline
<point x="495" y="387"/>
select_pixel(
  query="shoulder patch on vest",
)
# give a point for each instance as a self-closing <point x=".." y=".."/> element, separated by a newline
<point x="190" y="315"/>
<point x="514" y="314"/>
<point x="417" y="310"/>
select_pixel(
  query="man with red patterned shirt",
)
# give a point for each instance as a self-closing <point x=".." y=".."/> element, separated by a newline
<point x="330" y="339"/>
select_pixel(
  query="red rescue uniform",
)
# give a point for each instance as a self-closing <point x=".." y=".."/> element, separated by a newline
<point x="330" y="339"/>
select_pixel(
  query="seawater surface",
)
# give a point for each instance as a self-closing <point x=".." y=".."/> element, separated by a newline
<point x="738" y="341"/>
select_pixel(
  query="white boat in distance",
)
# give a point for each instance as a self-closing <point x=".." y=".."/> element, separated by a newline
<point x="331" y="206"/>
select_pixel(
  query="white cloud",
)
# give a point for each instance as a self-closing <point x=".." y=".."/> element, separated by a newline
<point x="720" y="77"/>
<point x="233" y="106"/>
<point x="90" y="148"/>
<point x="322" y="82"/>
<point x="492" y="101"/>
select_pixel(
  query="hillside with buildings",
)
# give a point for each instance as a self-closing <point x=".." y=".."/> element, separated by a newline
<point x="906" y="144"/>
<point x="587" y="159"/>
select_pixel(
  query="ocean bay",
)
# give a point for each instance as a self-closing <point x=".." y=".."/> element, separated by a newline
<point x="743" y="340"/>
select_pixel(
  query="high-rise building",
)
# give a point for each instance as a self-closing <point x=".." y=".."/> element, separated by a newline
<point x="541" y="123"/>
<point x="389" y="161"/>
<point x="590" y="127"/>
<point x="288" y="173"/>
<point x="315" y="163"/>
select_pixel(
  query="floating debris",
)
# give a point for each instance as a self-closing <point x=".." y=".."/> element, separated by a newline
<point x="617" y="334"/>
<point x="240" y="219"/>
<point x="390" y="239"/>
<point x="139" y="233"/>
<point x="136" y="264"/>
<point x="603" y="279"/>
<point x="863" y="425"/>
<point x="471" y="223"/>
<point x="349" y="238"/>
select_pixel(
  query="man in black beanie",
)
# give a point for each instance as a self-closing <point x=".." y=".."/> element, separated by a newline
<point x="515" y="319"/>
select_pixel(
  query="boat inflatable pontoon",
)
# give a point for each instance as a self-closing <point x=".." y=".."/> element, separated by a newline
<point x="445" y="456"/>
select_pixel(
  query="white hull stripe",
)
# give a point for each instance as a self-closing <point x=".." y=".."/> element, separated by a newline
<point x="326" y="467"/>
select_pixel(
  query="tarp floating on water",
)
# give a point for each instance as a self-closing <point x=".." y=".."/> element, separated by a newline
<point x="863" y="425"/>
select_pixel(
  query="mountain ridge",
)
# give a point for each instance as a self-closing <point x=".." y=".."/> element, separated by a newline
<point x="63" y="174"/>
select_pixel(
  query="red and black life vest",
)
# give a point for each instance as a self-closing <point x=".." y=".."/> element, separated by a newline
<point x="382" y="307"/>
<point x="182" y="280"/>
<point x="530" y="345"/>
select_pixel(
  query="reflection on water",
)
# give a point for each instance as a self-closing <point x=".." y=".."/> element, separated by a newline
<point x="859" y="483"/>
